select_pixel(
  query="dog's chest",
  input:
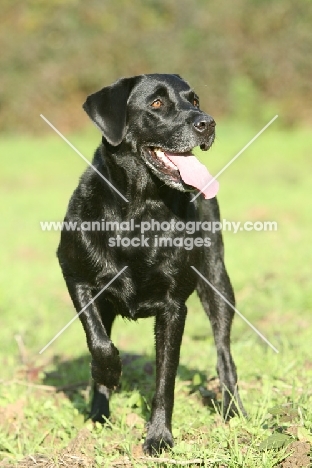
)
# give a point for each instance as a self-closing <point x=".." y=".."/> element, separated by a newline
<point x="155" y="281"/>
<point x="158" y="248"/>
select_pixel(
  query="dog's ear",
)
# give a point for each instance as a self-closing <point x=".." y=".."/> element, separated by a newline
<point x="107" y="108"/>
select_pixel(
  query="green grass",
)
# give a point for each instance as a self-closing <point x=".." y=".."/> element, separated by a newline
<point x="44" y="399"/>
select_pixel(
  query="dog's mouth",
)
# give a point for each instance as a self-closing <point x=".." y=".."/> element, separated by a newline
<point x="163" y="162"/>
<point x="184" y="169"/>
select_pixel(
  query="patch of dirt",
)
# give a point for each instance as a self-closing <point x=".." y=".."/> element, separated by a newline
<point x="12" y="414"/>
<point x="134" y="420"/>
<point x="78" y="454"/>
<point x="64" y="460"/>
<point x="300" y="455"/>
<point x="83" y="441"/>
<point x="12" y="410"/>
<point x="137" y="451"/>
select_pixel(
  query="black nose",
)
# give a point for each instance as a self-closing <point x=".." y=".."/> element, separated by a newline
<point x="204" y="124"/>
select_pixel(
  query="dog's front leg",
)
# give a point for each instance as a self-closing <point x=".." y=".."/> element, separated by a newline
<point x="106" y="363"/>
<point x="169" y="327"/>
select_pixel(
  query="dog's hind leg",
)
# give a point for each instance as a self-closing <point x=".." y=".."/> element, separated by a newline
<point x="221" y="317"/>
<point x="220" y="313"/>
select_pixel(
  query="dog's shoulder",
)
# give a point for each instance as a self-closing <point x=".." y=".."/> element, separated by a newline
<point x="86" y="194"/>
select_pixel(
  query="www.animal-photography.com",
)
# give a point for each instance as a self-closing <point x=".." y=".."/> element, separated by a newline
<point x="156" y="286"/>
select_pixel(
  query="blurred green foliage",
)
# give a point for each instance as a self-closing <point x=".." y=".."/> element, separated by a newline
<point x="244" y="57"/>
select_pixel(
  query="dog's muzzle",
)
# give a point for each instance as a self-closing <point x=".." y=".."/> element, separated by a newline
<point x="204" y="125"/>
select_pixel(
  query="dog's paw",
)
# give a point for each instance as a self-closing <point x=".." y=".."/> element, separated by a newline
<point x="106" y="366"/>
<point x="157" y="441"/>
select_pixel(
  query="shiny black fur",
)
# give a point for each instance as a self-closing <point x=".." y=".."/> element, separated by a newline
<point x="157" y="281"/>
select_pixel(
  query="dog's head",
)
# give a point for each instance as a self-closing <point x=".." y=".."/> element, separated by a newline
<point x="159" y="115"/>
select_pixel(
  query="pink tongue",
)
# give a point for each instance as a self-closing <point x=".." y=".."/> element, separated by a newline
<point x="194" y="173"/>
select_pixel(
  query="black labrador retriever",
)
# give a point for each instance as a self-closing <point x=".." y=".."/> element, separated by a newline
<point x="145" y="174"/>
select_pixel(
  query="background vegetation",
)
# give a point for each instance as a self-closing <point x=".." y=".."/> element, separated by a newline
<point x="244" y="57"/>
<point x="248" y="60"/>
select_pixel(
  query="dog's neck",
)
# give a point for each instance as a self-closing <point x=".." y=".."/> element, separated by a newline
<point x="126" y="170"/>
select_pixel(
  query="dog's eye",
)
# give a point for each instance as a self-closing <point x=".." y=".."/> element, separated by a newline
<point x="196" y="103"/>
<point x="157" y="103"/>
